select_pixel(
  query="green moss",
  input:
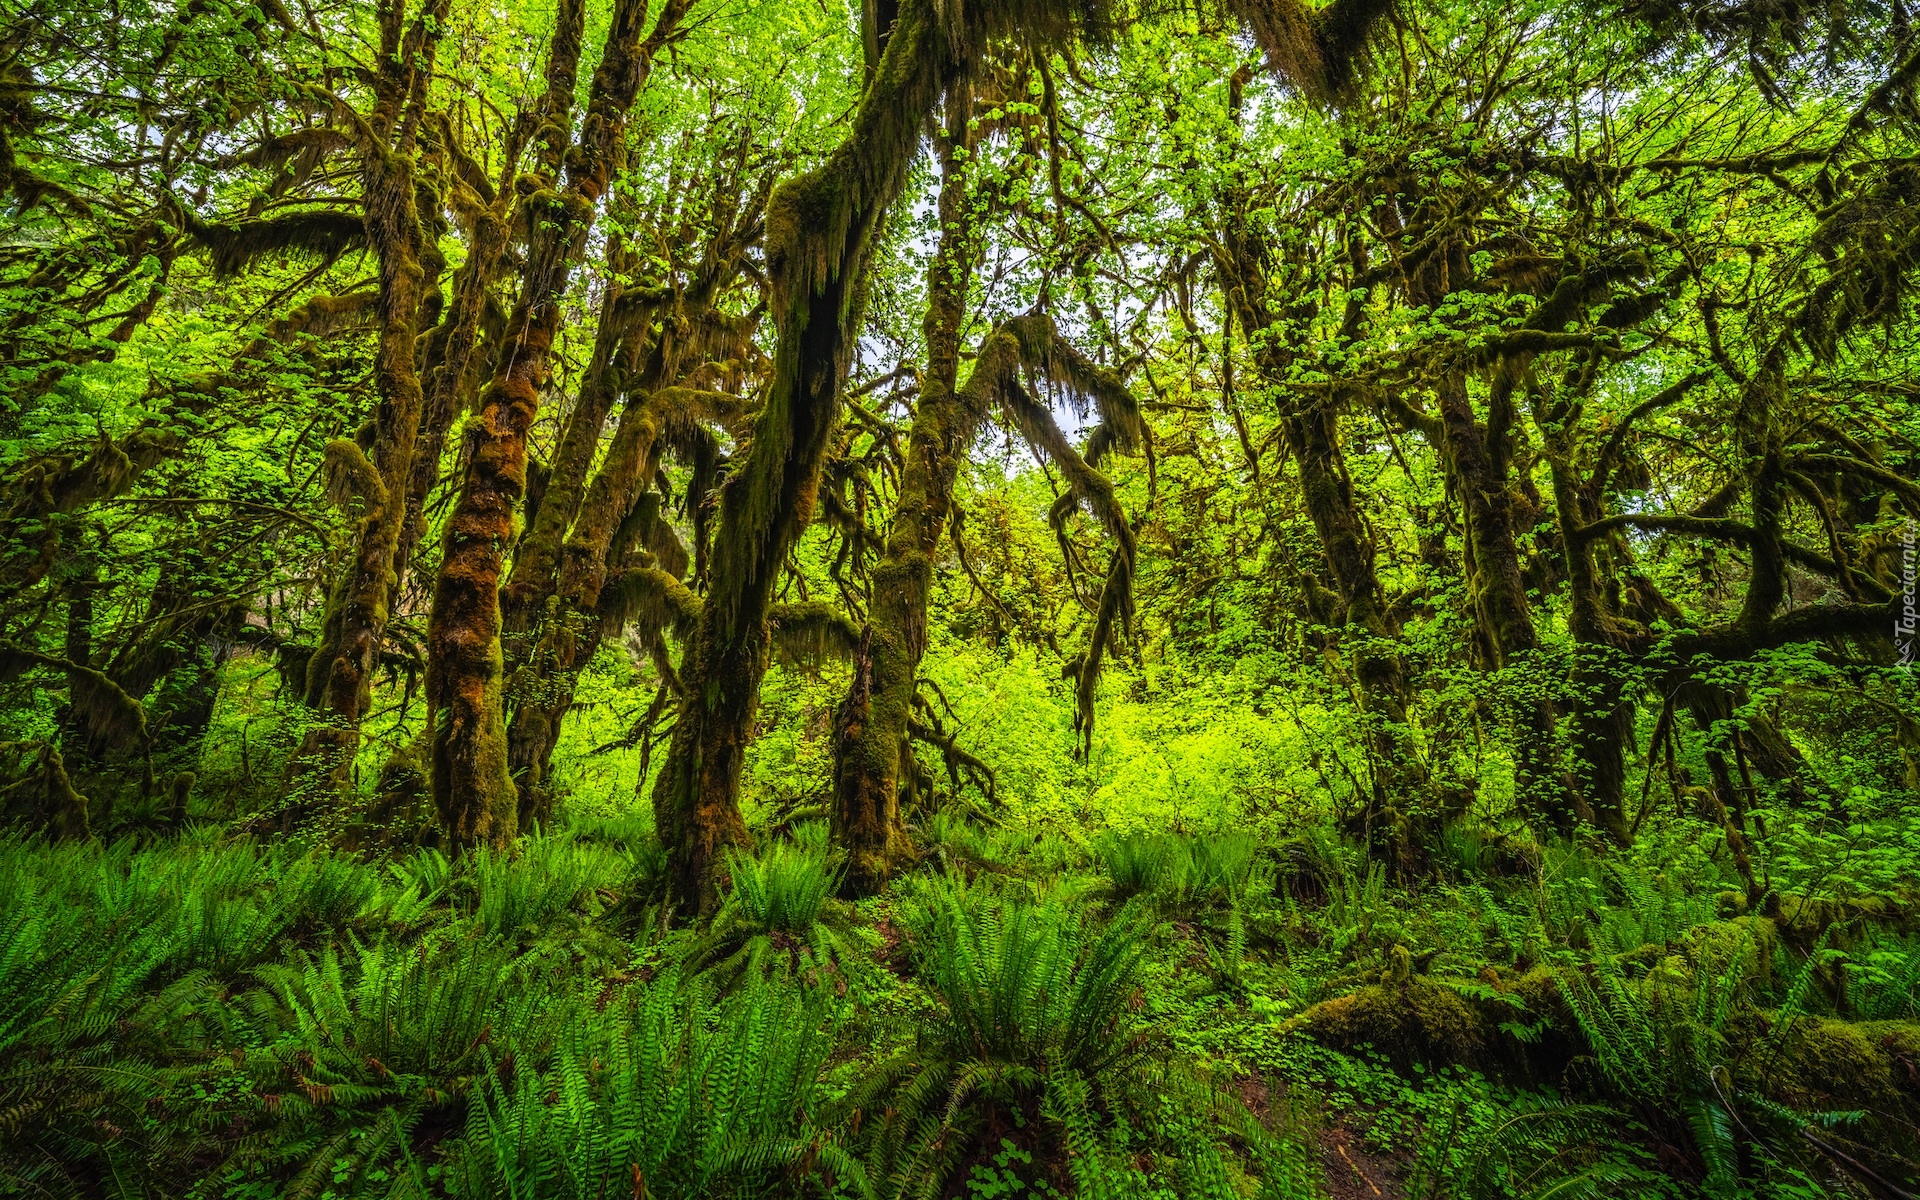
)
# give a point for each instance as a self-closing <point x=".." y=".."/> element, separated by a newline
<point x="810" y="633"/>
<point x="1538" y="989"/>
<point x="1318" y="50"/>
<point x="1803" y="919"/>
<point x="1820" y="1064"/>
<point x="1414" y="1021"/>
<point x="319" y="233"/>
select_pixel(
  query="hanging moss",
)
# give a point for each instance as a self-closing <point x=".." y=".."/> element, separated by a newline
<point x="1320" y="51"/>
<point x="351" y="479"/>
<point x="669" y="415"/>
<point x="472" y="776"/>
<point x="41" y="795"/>
<point x="317" y="317"/>
<point x="811" y="634"/>
<point x="650" y="599"/>
<point x="113" y="717"/>
<point x="1032" y="343"/>
<point x="1085" y="386"/>
<point x="644" y="528"/>
<point x="323" y="233"/>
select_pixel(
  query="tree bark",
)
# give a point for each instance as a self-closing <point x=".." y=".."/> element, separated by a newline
<point x="340" y="675"/>
<point x="1604" y="642"/>
<point x="870" y="728"/>
<point x="1396" y="819"/>
<point x="564" y="621"/>
<point x="451" y="357"/>
<point x="472" y="785"/>
<point x="820" y="233"/>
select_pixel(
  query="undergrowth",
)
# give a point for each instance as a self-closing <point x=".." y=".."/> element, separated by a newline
<point x="1029" y="1014"/>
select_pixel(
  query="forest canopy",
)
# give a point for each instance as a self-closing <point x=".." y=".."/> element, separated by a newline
<point x="959" y="598"/>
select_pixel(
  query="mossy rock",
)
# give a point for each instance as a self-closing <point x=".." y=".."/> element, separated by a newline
<point x="1802" y="919"/>
<point x="1415" y="1021"/>
<point x="1748" y="940"/>
<point x="1539" y="990"/>
<point x="1822" y="1063"/>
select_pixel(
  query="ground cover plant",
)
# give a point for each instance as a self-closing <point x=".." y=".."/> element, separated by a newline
<point x="959" y="599"/>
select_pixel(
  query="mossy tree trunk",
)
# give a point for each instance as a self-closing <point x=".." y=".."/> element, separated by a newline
<point x="610" y="539"/>
<point x="651" y="342"/>
<point x="451" y="355"/>
<point x="820" y="233"/>
<point x="1476" y="458"/>
<point x="620" y="335"/>
<point x="544" y="638"/>
<point x="871" y="726"/>
<point x="340" y="674"/>
<point x="74" y="718"/>
<point x="1400" y="814"/>
<point x="472" y="787"/>
<point x="1605" y="641"/>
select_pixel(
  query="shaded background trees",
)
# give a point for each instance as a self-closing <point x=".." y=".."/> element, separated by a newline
<point x="1515" y="407"/>
<point x="960" y="595"/>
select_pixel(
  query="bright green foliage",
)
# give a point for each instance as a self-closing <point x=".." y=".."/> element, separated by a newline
<point x="1179" y="870"/>
<point x="1659" y="1042"/>
<point x="1401" y="686"/>
<point x="1548" y="1151"/>
<point x="784" y="888"/>
<point x="82" y="1000"/>
<point x="352" y="1057"/>
<point x="1040" y="1031"/>
<point x="780" y="908"/>
<point x="524" y="895"/>
<point x="666" y="1092"/>
<point x="1883" y="977"/>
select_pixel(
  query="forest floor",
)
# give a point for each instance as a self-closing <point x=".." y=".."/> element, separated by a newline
<point x="1022" y="1007"/>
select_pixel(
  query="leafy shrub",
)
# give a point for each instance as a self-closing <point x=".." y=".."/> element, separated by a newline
<point x="1650" y="906"/>
<point x="1173" y="869"/>
<point x="1039" y="1030"/>
<point x="552" y="874"/>
<point x="321" y="890"/>
<point x="389" y="1018"/>
<point x="355" y="1049"/>
<point x="784" y="888"/>
<point x="781" y="900"/>
<point x="1883" y="977"/>
<point x="1658" y="1041"/>
<point x="86" y="1013"/>
<point x="1145" y="864"/>
<point x="1550" y="1149"/>
<point x="668" y="1093"/>
<point x="1358" y="912"/>
<point x="953" y="841"/>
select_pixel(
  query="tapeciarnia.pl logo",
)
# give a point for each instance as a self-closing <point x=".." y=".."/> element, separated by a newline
<point x="1906" y="623"/>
